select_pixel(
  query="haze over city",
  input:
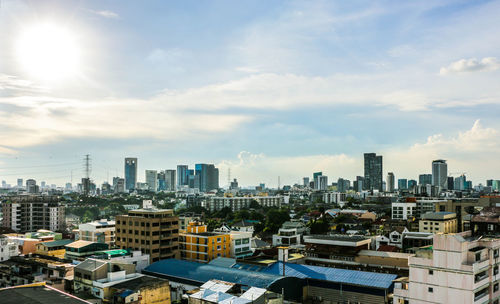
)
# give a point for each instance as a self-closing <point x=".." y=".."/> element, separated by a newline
<point x="265" y="88"/>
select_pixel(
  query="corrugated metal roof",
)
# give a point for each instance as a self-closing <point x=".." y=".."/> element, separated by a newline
<point x="362" y="278"/>
<point x="57" y="243"/>
<point x="223" y="262"/>
<point x="202" y="273"/>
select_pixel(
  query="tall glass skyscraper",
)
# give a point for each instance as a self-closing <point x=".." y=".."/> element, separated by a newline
<point x="130" y="173"/>
<point x="182" y="176"/>
<point x="373" y="172"/>
<point x="390" y="182"/>
<point x="440" y="173"/>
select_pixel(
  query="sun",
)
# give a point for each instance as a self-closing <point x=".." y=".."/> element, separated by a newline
<point x="48" y="52"/>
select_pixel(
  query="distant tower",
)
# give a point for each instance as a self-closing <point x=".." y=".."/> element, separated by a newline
<point x="229" y="177"/>
<point x="279" y="183"/>
<point x="130" y="173"/>
<point x="390" y="182"/>
<point x="440" y="173"/>
<point x="87" y="168"/>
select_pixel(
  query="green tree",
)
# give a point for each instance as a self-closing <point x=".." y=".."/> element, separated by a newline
<point x="274" y="219"/>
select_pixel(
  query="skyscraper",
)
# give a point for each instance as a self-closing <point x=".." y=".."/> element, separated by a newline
<point x="425" y="179"/>
<point x="322" y="182"/>
<point x="19" y="182"/>
<point x="152" y="180"/>
<point x="358" y="184"/>
<point x="130" y="173"/>
<point x="402" y="184"/>
<point x="343" y="185"/>
<point x="170" y="180"/>
<point x="208" y="177"/>
<point x="412" y="184"/>
<point x="373" y="172"/>
<point x="306" y="181"/>
<point x="440" y="173"/>
<point x="182" y="176"/>
<point x="390" y="182"/>
<point x="316" y="176"/>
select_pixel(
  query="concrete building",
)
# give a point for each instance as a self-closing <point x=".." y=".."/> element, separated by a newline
<point x="373" y="172"/>
<point x="170" y="180"/>
<point x="440" y="173"/>
<point x="402" y="184"/>
<point x="152" y="180"/>
<point x="152" y="231"/>
<point x="425" y="179"/>
<point x="458" y="269"/>
<point x="390" y="182"/>
<point x="322" y="182"/>
<point x="197" y="244"/>
<point x="438" y="222"/>
<point x="334" y="197"/>
<point x="216" y="203"/>
<point x="130" y="173"/>
<point x="8" y="248"/>
<point x="55" y="248"/>
<point x="31" y="213"/>
<point x="101" y="231"/>
<point x="290" y="233"/>
<point x="334" y="249"/>
<point x="80" y="250"/>
<point x="487" y="222"/>
<point x="404" y="210"/>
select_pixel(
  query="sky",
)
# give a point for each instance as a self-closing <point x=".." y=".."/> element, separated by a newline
<point x="265" y="88"/>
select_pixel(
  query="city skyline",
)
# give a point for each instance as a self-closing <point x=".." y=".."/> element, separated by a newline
<point x="266" y="89"/>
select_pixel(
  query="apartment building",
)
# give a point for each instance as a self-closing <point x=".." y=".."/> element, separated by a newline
<point x="101" y="231"/>
<point x="438" y="222"/>
<point x="152" y="231"/>
<point x="33" y="212"/>
<point x="217" y="203"/>
<point x="459" y="268"/>
<point x="197" y="244"/>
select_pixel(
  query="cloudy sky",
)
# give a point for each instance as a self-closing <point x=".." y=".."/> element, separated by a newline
<point x="267" y="88"/>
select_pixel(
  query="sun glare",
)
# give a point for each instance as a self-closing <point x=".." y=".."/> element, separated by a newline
<point x="48" y="52"/>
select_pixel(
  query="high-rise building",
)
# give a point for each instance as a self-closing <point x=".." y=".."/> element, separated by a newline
<point x="130" y="173"/>
<point x="86" y="186"/>
<point x="402" y="184"/>
<point x="153" y="231"/>
<point x="182" y="176"/>
<point x="343" y="185"/>
<point x="234" y="185"/>
<point x="208" y="177"/>
<point x="390" y="182"/>
<point x="489" y="183"/>
<point x="425" y="179"/>
<point x="162" y="181"/>
<point x="31" y="186"/>
<point x="305" y="181"/>
<point x="170" y="180"/>
<point x="460" y="183"/>
<point x="412" y="184"/>
<point x="33" y="212"/>
<point x="373" y="172"/>
<point x="440" y="173"/>
<point x="19" y="182"/>
<point x="322" y="182"/>
<point x="451" y="183"/>
<point x="119" y="187"/>
<point x="358" y="184"/>
<point x="152" y="180"/>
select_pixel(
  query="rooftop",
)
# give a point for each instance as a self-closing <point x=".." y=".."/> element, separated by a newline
<point x="442" y="215"/>
<point x="57" y="243"/>
<point x="138" y="283"/>
<point x="79" y="244"/>
<point x="37" y="294"/>
<point x="361" y="278"/>
<point x="90" y="264"/>
<point x="201" y="273"/>
<point x="336" y="237"/>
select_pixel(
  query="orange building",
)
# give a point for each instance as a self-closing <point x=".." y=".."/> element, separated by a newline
<point x="198" y="245"/>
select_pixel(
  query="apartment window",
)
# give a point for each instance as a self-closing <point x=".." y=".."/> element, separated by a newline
<point x="478" y="256"/>
<point x="431" y="272"/>
<point x="218" y="247"/>
<point x="237" y="242"/>
<point x="495" y="253"/>
<point x="495" y="270"/>
<point x="430" y="289"/>
<point x="219" y="240"/>
<point x="495" y="287"/>
<point x="495" y="302"/>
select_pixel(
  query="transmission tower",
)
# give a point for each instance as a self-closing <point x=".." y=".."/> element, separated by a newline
<point x="87" y="165"/>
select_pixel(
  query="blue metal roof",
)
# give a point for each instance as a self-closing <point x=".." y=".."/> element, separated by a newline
<point x="202" y="273"/>
<point x="362" y="278"/>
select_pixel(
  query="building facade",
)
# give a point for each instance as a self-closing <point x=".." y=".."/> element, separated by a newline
<point x="438" y="222"/>
<point x="152" y="180"/>
<point x="152" y="231"/>
<point x="197" y="244"/>
<point x="32" y="213"/>
<point x="102" y="231"/>
<point x="130" y="173"/>
<point x="373" y="172"/>
<point x="440" y="173"/>
<point x="390" y="182"/>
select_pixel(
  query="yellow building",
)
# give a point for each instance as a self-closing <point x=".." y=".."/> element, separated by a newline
<point x="196" y="244"/>
<point x="54" y="248"/>
<point x="438" y="222"/>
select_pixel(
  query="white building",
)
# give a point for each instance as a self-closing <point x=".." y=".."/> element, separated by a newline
<point x="458" y="269"/>
<point x="404" y="210"/>
<point x="240" y="244"/>
<point x="290" y="233"/>
<point x="216" y="203"/>
<point x="152" y="180"/>
<point x="334" y="197"/>
<point x="101" y="231"/>
<point x="8" y="248"/>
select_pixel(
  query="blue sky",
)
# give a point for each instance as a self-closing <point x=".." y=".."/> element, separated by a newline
<point x="267" y="88"/>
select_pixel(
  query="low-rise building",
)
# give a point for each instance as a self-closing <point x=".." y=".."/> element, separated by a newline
<point x="216" y="203"/>
<point x="8" y="248"/>
<point x="39" y="293"/>
<point x="438" y="222"/>
<point x="459" y="268"/>
<point x="197" y="244"/>
<point x="54" y="248"/>
<point x="487" y="222"/>
<point x="143" y="289"/>
<point x="139" y="259"/>
<point x="290" y="233"/>
<point x="79" y="250"/>
<point x="404" y="210"/>
<point x="334" y="249"/>
<point x="101" y="231"/>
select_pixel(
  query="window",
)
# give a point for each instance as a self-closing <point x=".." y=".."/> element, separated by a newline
<point x="478" y="256"/>
<point x="495" y="287"/>
<point x="495" y="253"/>
<point x="495" y="270"/>
<point x="431" y="272"/>
<point x="237" y="242"/>
<point x="218" y="240"/>
<point x="430" y="289"/>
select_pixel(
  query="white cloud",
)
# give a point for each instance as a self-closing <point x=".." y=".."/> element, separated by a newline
<point x="11" y="85"/>
<point x="472" y="151"/>
<point x="471" y="65"/>
<point x="107" y="14"/>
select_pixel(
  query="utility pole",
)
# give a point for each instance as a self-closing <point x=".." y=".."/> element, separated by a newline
<point x="87" y="168"/>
